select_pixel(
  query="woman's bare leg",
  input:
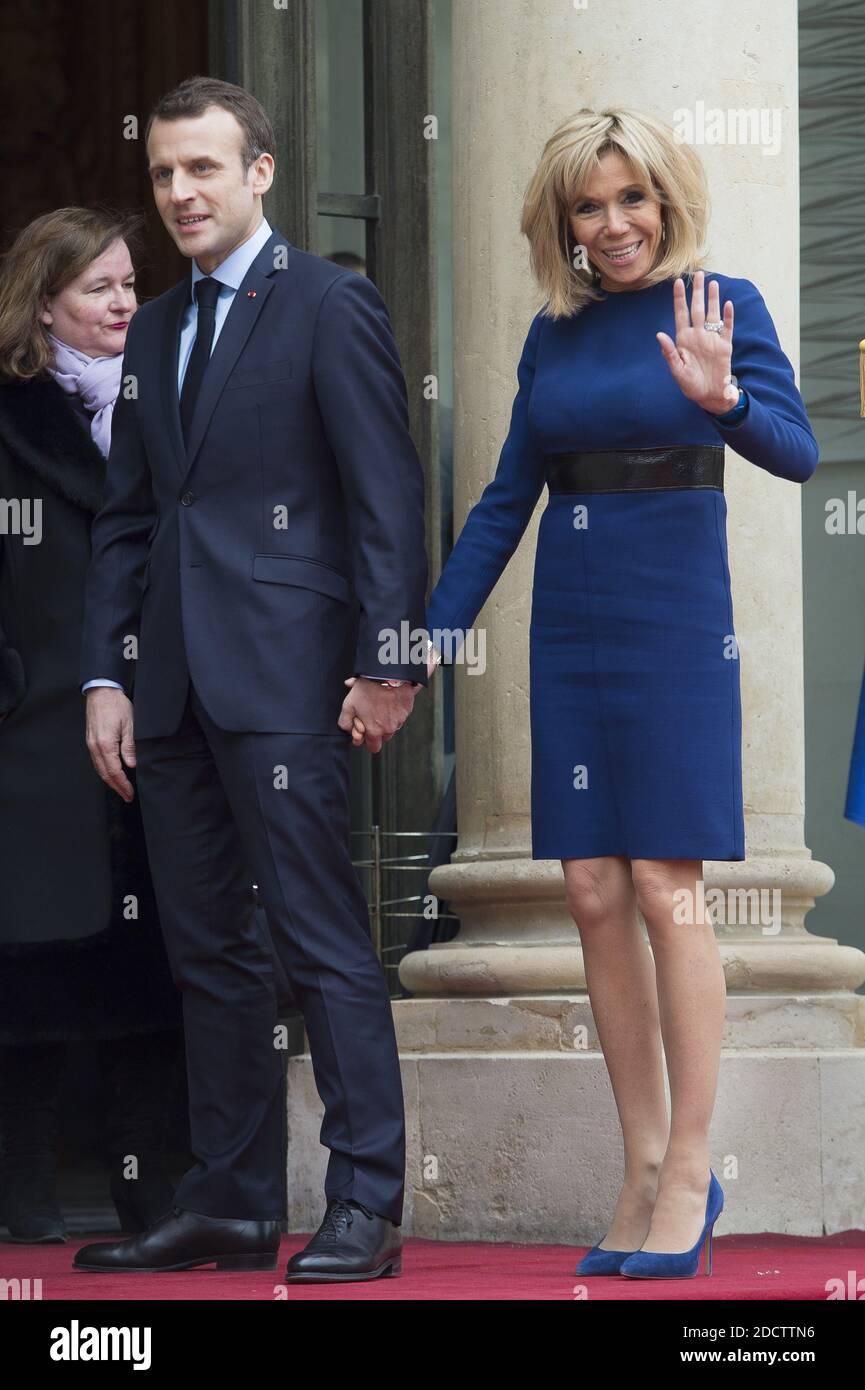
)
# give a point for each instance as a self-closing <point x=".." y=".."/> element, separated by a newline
<point x="691" y="1001"/>
<point x="620" y="977"/>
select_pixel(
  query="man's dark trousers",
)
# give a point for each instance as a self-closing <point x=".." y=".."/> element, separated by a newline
<point x="222" y="811"/>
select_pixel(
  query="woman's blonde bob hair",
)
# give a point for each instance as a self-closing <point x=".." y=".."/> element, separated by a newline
<point x="45" y="256"/>
<point x="668" y="171"/>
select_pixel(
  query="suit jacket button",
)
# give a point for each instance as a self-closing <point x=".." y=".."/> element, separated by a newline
<point x="188" y="498"/>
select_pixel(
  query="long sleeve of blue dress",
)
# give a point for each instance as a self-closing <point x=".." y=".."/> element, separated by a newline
<point x="775" y="433"/>
<point x="498" y="519"/>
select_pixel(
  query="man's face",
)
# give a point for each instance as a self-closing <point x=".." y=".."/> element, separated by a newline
<point x="199" y="186"/>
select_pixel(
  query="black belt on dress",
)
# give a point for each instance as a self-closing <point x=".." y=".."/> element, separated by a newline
<point x="630" y="470"/>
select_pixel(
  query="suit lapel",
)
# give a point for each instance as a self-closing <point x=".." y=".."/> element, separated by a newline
<point x="245" y="308"/>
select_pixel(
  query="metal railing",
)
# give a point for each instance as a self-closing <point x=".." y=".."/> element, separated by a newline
<point x="386" y="912"/>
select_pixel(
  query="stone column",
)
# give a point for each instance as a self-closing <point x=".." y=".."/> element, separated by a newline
<point x="511" y="1108"/>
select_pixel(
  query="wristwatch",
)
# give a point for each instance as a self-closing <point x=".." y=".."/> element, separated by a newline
<point x="735" y="413"/>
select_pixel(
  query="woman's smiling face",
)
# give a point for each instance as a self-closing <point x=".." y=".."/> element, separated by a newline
<point x="618" y="223"/>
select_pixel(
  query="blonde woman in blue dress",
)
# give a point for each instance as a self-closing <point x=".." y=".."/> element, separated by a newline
<point x="637" y="371"/>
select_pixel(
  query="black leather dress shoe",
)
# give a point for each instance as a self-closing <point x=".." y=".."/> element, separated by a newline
<point x="351" y="1243"/>
<point x="182" y="1239"/>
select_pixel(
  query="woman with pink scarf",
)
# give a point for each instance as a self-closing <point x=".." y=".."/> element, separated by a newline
<point x="81" y="952"/>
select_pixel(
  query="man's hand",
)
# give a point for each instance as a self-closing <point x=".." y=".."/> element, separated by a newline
<point x="373" y="713"/>
<point x="109" y="737"/>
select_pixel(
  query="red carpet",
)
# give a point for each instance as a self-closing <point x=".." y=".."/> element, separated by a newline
<point x="745" y="1268"/>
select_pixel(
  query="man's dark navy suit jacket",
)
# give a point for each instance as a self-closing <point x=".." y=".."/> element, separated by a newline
<point x="263" y="561"/>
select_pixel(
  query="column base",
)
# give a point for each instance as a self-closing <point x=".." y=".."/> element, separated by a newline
<point x="518" y="937"/>
<point x="513" y="1133"/>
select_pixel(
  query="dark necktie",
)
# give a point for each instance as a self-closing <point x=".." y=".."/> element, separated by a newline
<point x="206" y="295"/>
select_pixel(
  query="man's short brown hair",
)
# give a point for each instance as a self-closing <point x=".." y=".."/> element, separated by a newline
<point x="196" y="94"/>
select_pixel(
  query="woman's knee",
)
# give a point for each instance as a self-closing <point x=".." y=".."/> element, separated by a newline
<point x="658" y="884"/>
<point x="597" y="889"/>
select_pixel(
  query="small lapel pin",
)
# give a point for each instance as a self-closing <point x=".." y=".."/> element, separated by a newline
<point x="250" y="294"/>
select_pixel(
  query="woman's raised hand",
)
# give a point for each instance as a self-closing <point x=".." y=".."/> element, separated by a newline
<point x="700" y="359"/>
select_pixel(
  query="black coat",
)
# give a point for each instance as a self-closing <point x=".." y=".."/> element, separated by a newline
<point x="72" y="854"/>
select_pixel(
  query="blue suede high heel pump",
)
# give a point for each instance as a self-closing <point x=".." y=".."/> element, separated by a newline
<point x="684" y="1264"/>
<point x="598" y="1261"/>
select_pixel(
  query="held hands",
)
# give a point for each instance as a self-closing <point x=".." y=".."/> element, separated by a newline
<point x="700" y="359"/>
<point x="354" y="716"/>
<point x="109" y="737"/>
<point x="373" y="713"/>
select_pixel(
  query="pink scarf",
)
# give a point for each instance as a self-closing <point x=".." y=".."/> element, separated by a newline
<point x="95" y="379"/>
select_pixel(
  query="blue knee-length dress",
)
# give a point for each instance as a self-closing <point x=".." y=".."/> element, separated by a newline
<point x="634" y="696"/>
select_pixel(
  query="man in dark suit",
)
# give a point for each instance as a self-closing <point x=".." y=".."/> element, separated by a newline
<point x="261" y="540"/>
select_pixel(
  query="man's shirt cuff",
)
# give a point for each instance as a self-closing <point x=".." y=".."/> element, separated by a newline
<point x="115" y="685"/>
